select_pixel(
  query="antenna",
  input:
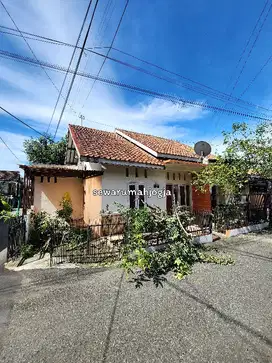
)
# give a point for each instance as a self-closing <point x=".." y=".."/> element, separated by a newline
<point x="82" y="117"/>
<point x="202" y="148"/>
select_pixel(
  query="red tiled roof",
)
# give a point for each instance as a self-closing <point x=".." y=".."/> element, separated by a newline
<point x="6" y="175"/>
<point x="162" y="145"/>
<point x="109" y="145"/>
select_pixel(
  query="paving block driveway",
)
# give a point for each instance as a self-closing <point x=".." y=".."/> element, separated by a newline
<point x="218" y="314"/>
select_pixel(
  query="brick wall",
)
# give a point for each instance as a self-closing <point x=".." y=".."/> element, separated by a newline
<point x="201" y="201"/>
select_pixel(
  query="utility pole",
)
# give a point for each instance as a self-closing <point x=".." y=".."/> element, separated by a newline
<point x="82" y="117"/>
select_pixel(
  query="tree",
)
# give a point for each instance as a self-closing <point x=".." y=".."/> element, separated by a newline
<point x="45" y="151"/>
<point x="248" y="151"/>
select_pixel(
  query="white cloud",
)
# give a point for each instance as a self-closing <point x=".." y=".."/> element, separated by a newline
<point x="29" y="94"/>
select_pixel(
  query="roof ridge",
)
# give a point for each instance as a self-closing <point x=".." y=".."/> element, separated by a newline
<point x="159" y="137"/>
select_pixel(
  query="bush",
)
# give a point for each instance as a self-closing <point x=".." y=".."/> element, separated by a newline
<point x="180" y="254"/>
<point x="67" y="210"/>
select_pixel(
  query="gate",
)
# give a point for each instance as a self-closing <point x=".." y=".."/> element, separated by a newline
<point x="16" y="236"/>
<point x="258" y="207"/>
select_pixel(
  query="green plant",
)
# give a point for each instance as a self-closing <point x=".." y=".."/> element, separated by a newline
<point x="179" y="256"/>
<point x="66" y="210"/>
<point x="27" y="251"/>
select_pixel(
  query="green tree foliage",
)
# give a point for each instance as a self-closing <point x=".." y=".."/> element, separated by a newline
<point x="145" y="227"/>
<point x="248" y="150"/>
<point x="45" y="151"/>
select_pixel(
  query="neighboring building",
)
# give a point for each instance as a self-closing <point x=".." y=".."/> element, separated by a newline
<point x="126" y="167"/>
<point x="10" y="186"/>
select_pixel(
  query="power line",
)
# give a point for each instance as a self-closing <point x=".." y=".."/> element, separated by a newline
<point x="3" y="141"/>
<point x="172" y="98"/>
<point x="40" y="38"/>
<point x="215" y="94"/>
<point x="76" y="69"/>
<point x="256" y="75"/>
<point x="70" y="63"/>
<point x="251" y="35"/>
<point x="23" y="122"/>
<point x="251" y="49"/>
<point x="29" y="47"/>
<point x="112" y="42"/>
<point x="81" y="80"/>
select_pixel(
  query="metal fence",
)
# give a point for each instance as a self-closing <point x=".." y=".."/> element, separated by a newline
<point x="103" y="242"/>
<point x="16" y="236"/>
<point x="89" y="244"/>
<point x="239" y="215"/>
<point x="202" y="223"/>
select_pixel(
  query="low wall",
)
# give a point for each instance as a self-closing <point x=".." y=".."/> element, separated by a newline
<point x="247" y="229"/>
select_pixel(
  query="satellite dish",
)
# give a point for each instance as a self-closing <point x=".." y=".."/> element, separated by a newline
<point x="202" y="148"/>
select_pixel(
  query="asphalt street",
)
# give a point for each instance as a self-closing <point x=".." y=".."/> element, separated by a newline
<point x="217" y="314"/>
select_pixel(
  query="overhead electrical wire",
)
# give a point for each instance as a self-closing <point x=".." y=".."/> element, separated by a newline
<point x="28" y="45"/>
<point x="172" y="98"/>
<point x="112" y="42"/>
<point x="251" y="49"/>
<point x="251" y="35"/>
<point x="81" y="82"/>
<point x="76" y="69"/>
<point x="3" y="141"/>
<point x="215" y="94"/>
<point x="70" y="63"/>
<point x="256" y="75"/>
<point x="23" y="122"/>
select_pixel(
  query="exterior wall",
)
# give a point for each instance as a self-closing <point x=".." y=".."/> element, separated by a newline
<point x="48" y="195"/>
<point x="114" y="178"/>
<point x="92" y="203"/>
<point x="201" y="201"/>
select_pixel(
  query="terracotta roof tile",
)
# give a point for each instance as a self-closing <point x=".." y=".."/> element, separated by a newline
<point x="108" y="145"/>
<point x="162" y="145"/>
<point x="6" y="175"/>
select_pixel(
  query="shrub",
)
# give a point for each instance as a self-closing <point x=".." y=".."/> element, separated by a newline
<point x="66" y="210"/>
<point x="180" y="254"/>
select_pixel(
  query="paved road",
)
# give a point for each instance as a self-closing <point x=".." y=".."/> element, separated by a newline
<point x="218" y="314"/>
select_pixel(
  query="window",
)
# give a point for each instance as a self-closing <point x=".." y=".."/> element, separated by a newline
<point x="141" y="196"/>
<point x="55" y="179"/>
<point x="136" y="173"/>
<point x="145" y="173"/>
<point x="48" y="179"/>
<point x="132" y="196"/>
<point x="41" y="179"/>
<point x="184" y="176"/>
<point x="127" y="172"/>
<point x="167" y="176"/>
<point x="182" y="194"/>
<point x="188" y="195"/>
<point x="179" y="176"/>
<point x="174" y="176"/>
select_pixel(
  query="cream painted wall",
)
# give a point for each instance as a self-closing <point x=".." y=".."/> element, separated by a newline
<point x="47" y="195"/>
<point x="92" y="203"/>
<point x="114" y="177"/>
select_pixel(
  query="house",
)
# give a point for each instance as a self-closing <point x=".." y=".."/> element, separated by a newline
<point x="104" y="168"/>
<point x="10" y="186"/>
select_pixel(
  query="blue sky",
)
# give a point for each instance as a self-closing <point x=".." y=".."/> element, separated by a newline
<point x="198" y="39"/>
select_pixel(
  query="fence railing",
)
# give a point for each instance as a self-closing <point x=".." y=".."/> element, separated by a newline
<point x="16" y="236"/>
<point x="103" y="242"/>
<point x="238" y="215"/>
<point x="89" y="244"/>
